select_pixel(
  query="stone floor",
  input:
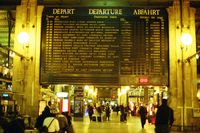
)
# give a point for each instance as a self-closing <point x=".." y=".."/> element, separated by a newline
<point x="132" y="125"/>
<point x="113" y="126"/>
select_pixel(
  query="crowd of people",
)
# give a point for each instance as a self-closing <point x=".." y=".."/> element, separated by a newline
<point x="163" y="118"/>
<point x="47" y="122"/>
<point x="124" y="111"/>
<point x="99" y="111"/>
<point x="54" y="122"/>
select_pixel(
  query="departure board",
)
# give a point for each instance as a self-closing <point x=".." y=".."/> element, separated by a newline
<point x="104" y="45"/>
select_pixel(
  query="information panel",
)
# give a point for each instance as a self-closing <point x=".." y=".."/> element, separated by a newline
<point x="98" y="45"/>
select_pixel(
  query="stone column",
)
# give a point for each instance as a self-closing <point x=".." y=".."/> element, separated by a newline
<point x="119" y="96"/>
<point x="146" y="95"/>
<point x="26" y="71"/>
<point x="183" y="75"/>
<point x="123" y="98"/>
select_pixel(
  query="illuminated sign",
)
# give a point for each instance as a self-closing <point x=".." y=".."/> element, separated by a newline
<point x="143" y="80"/>
<point x="5" y="95"/>
<point x="62" y="94"/>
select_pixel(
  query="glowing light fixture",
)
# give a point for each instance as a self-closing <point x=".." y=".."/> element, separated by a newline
<point x="127" y="88"/>
<point x="123" y="91"/>
<point x="86" y="87"/>
<point x="12" y="54"/>
<point x="197" y="56"/>
<point x="23" y="38"/>
<point x="186" y="39"/>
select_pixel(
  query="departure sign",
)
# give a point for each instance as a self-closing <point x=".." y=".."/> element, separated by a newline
<point x="98" y="45"/>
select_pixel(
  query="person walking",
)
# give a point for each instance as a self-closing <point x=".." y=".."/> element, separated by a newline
<point x="164" y="118"/>
<point x="117" y="109"/>
<point x="107" y="112"/>
<point x="90" y="111"/>
<point x="122" y="110"/>
<point x="126" y="112"/>
<point x="143" y="114"/>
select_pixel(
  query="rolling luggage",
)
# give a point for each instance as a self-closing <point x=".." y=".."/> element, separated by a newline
<point x="99" y="118"/>
<point x="93" y="118"/>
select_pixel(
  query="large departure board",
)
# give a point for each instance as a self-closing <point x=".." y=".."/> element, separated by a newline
<point x="104" y="45"/>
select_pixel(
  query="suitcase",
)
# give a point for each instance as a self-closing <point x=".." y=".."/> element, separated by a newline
<point x="99" y="118"/>
<point x="93" y="118"/>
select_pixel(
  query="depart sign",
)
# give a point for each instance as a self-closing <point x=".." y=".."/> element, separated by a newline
<point x="104" y="45"/>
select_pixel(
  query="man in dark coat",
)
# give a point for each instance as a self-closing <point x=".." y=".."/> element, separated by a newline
<point x="107" y="112"/>
<point x="143" y="114"/>
<point x="164" y="118"/>
<point x="122" y="110"/>
<point x="90" y="111"/>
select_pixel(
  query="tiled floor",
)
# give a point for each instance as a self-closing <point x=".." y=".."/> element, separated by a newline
<point x="113" y="126"/>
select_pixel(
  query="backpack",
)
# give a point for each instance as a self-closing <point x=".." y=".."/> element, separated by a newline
<point x="44" y="129"/>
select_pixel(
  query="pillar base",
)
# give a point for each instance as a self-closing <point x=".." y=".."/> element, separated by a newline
<point x="190" y="128"/>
